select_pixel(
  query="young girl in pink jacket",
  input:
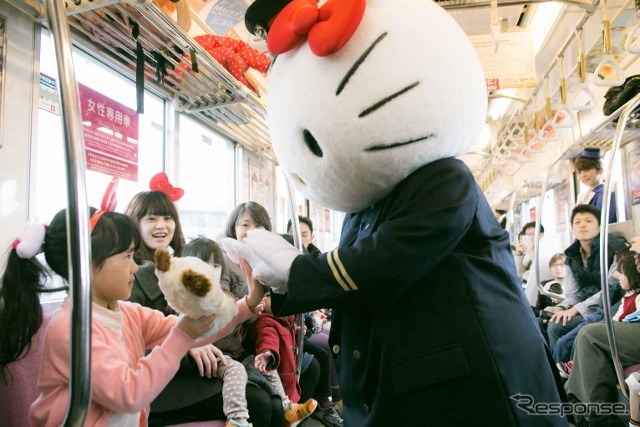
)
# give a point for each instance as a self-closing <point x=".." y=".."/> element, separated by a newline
<point x="123" y="380"/>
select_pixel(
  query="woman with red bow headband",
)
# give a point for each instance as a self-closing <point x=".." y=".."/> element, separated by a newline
<point x="187" y="397"/>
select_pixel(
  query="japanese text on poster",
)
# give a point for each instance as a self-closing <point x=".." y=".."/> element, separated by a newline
<point x="110" y="129"/>
<point x="511" y="65"/>
<point x="634" y="163"/>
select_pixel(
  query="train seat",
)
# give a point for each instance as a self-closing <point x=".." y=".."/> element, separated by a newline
<point x="631" y="369"/>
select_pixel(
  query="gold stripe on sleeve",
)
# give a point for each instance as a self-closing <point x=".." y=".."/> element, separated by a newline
<point x="335" y="272"/>
<point x="343" y="271"/>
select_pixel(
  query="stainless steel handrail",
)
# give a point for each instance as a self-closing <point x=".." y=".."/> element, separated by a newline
<point x="78" y="238"/>
<point x="536" y="237"/>
<point x="604" y="240"/>
<point x="297" y="241"/>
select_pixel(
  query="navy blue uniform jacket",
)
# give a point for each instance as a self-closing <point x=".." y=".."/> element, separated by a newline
<point x="430" y="326"/>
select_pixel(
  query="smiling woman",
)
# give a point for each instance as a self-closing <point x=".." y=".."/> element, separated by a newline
<point x="158" y="221"/>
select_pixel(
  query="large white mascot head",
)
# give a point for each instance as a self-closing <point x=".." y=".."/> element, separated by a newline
<point x="393" y="85"/>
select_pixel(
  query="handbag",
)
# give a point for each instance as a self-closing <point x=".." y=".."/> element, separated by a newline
<point x="617" y="96"/>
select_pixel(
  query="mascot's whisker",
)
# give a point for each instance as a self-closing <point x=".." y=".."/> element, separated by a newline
<point x="380" y="103"/>
<point x="357" y="64"/>
<point x="398" y="144"/>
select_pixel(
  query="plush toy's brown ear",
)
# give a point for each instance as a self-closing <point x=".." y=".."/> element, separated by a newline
<point x="196" y="283"/>
<point x="163" y="260"/>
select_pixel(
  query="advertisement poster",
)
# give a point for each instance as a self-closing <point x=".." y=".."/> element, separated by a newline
<point x="110" y="129"/>
<point x="511" y="65"/>
<point x="49" y="100"/>
<point x="110" y="135"/>
<point x="261" y="186"/>
<point x="223" y="15"/>
<point x="634" y="163"/>
<point x="561" y="205"/>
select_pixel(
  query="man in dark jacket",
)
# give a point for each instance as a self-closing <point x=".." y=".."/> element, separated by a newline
<point x="583" y="278"/>
<point x="306" y="235"/>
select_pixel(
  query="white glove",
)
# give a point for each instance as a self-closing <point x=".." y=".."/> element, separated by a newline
<point x="236" y="249"/>
<point x="277" y="255"/>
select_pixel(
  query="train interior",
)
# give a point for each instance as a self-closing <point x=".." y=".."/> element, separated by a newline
<point x="549" y="67"/>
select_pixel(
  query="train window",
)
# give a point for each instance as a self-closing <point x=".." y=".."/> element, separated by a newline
<point x="48" y="184"/>
<point x="617" y="181"/>
<point x="206" y="171"/>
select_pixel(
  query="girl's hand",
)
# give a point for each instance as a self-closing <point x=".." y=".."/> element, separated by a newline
<point x="256" y="291"/>
<point x="262" y="360"/>
<point x="206" y="358"/>
<point x="195" y="327"/>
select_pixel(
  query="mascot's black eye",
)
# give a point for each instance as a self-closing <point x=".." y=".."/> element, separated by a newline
<point x="312" y="143"/>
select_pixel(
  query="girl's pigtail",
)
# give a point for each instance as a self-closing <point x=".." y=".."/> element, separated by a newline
<point x="20" y="309"/>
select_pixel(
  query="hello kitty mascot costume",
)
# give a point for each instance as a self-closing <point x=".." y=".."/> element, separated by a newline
<point x="369" y="103"/>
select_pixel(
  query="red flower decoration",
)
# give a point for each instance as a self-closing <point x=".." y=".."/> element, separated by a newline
<point x="160" y="182"/>
<point x="327" y="29"/>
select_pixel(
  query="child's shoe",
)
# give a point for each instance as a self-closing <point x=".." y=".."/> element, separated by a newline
<point x="328" y="417"/>
<point x="299" y="412"/>
<point x="564" y="368"/>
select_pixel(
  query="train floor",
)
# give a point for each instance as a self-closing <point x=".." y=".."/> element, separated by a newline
<point x="310" y="422"/>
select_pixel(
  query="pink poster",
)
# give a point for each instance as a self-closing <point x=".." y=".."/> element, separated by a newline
<point x="110" y="135"/>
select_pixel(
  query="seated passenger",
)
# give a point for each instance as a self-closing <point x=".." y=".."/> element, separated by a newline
<point x="233" y="373"/>
<point x="306" y="235"/>
<point x="189" y="396"/>
<point x="629" y="277"/>
<point x="525" y="250"/>
<point x="592" y="377"/>
<point x="556" y="285"/>
<point x="582" y="280"/>
<point x="563" y="350"/>
<point x="525" y="260"/>
<point x="248" y="216"/>
<point x="272" y="339"/>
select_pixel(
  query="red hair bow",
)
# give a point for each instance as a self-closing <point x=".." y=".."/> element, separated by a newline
<point x="327" y="29"/>
<point x="160" y="182"/>
<point x="109" y="202"/>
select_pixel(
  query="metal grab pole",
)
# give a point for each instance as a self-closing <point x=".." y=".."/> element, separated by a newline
<point x="78" y="238"/>
<point x="536" y="238"/>
<point x="604" y="240"/>
<point x="297" y="241"/>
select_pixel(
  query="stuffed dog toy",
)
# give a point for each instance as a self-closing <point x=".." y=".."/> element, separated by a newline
<point x="192" y="287"/>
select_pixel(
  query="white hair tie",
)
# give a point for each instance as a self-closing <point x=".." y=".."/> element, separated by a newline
<point x="29" y="244"/>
